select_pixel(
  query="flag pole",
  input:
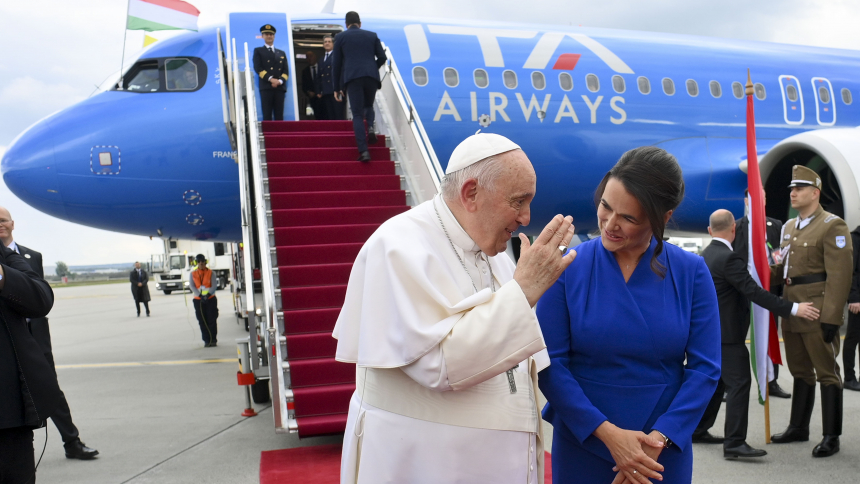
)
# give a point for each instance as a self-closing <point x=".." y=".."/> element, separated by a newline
<point x="124" y="35"/>
<point x="750" y="91"/>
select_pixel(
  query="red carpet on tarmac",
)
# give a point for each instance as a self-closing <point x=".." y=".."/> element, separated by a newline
<point x="316" y="465"/>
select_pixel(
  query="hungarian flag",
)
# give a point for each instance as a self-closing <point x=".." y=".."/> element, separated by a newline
<point x="153" y="15"/>
<point x="764" y="343"/>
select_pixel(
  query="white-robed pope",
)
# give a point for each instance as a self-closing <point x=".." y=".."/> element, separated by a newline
<point x="440" y="323"/>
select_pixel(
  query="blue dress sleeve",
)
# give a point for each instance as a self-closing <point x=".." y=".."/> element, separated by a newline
<point x="702" y="371"/>
<point x="562" y="391"/>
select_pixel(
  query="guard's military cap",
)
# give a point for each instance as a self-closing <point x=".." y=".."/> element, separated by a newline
<point x="267" y="29"/>
<point x="803" y="176"/>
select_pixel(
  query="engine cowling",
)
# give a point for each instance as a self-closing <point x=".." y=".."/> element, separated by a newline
<point x="833" y="153"/>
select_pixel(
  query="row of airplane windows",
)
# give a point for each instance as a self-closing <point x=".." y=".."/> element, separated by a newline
<point x="592" y="82"/>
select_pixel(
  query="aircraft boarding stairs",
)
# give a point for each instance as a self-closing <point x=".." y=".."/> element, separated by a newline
<point x="307" y="208"/>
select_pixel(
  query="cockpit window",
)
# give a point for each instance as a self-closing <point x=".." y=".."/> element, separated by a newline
<point x="165" y="74"/>
<point x="144" y="78"/>
<point x="180" y="75"/>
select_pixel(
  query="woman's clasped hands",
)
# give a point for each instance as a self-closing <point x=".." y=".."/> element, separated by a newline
<point x="635" y="453"/>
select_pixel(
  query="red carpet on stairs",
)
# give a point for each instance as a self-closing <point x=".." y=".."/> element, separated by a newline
<point x="318" y="465"/>
<point x="325" y="205"/>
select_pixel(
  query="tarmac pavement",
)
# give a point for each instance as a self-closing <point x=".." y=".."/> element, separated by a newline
<point x="160" y="408"/>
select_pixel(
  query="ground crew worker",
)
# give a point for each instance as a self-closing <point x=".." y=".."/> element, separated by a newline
<point x="204" y="285"/>
<point x="270" y="63"/>
<point x="816" y="266"/>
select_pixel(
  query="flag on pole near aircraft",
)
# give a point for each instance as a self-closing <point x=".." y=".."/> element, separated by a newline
<point x="153" y="15"/>
<point x="761" y="326"/>
<point x="148" y="40"/>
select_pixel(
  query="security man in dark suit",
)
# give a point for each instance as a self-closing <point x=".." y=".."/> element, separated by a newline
<point x="773" y="229"/>
<point x="817" y="265"/>
<point x="329" y="107"/>
<point x="139" y="280"/>
<point x="310" y="74"/>
<point x="270" y="63"/>
<point x="358" y="55"/>
<point x="62" y="417"/>
<point x="735" y="289"/>
<point x="29" y="392"/>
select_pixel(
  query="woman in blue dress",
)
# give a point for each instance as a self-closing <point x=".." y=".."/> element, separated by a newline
<point x="633" y="333"/>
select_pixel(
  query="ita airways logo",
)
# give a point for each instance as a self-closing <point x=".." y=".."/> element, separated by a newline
<point x="192" y="197"/>
<point x="194" y="219"/>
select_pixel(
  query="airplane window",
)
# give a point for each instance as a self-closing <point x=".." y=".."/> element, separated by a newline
<point x="716" y="89"/>
<point x="791" y="92"/>
<point x="592" y="83"/>
<point x="419" y="76"/>
<point x="759" y="91"/>
<point x="618" y="84"/>
<point x="668" y="86"/>
<point x="538" y="81"/>
<point x="737" y="90"/>
<point x="145" y="79"/>
<point x="692" y="88"/>
<point x="452" y="78"/>
<point x="481" y="78"/>
<point x="644" y="85"/>
<point x="846" y="96"/>
<point x="180" y="75"/>
<point x="565" y="81"/>
<point x="510" y="78"/>
<point x="824" y="94"/>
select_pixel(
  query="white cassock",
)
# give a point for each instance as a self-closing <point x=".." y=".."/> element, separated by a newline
<point x="432" y="340"/>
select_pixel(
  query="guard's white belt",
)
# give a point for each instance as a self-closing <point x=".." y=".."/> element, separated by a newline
<point x="488" y="405"/>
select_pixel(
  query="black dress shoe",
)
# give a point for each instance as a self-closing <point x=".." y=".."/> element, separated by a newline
<point x="852" y="385"/>
<point x="77" y="450"/>
<point x="706" y="438"/>
<point x="371" y="137"/>
<point x="828" y="446"/>
<point x="775" y="390"/>
<point x="364" y="156"/>
<point x="742" y="450"/>
<point x="147" y="315"/>
<point x="791" y="434"/>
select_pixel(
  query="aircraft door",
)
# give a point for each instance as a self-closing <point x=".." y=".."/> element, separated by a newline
<point x="792" y="99"/>
<point x="825" y="104"/>
<point x="245" y="27"/>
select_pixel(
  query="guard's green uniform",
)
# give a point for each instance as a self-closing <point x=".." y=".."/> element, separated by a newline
<point x="817" y="267"/>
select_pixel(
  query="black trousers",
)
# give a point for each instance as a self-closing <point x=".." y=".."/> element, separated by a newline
<point x="362" y="92"/>
<point x="330" y="108"/>
<point x="207" y="317"/>
<point x="736" y="381"/>
<point x="62" y="416"/>
<point x="272" y="102"/>
<point x="852" y="340"/>
<point x="145" y="305"/>
<point x="17" y="459"/>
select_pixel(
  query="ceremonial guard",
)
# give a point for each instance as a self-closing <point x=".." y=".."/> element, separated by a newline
<point x="816" y="266"/>
<point x="270" y="63"/>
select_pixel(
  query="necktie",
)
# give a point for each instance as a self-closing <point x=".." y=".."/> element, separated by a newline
<point x="272" y="50"/>
<point x="326" y="57"/>
<point x="313" y="72"/>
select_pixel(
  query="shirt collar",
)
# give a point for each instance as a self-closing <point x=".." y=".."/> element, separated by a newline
<point x="728" y="244"/>
<point x="14" y="247"/>
<point x="801" y="223"/>
<point x="455" y="231"/>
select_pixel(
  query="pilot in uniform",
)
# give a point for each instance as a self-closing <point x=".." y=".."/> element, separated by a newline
<point x="270" y="63"/>
<point x="816" y="266"/>
<point x="330" y="108"/>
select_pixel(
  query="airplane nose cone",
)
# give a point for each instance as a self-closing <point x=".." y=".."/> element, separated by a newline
<point x="29" y="169"/>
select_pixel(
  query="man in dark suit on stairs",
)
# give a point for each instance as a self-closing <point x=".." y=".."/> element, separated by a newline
<point x="735" y="289"/>
<point x="62" y="416"/>
<point x="270" y="63"/>
<point x="358" y="55"/>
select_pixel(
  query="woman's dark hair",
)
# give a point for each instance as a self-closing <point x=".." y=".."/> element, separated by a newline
<point x="654" y="178"/>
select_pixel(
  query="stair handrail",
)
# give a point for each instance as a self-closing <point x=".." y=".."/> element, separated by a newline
<point x="390" y="70"/>
<point x="277" y="378"/>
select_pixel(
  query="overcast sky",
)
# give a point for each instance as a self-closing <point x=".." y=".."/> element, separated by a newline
<point x="55" y="52"/>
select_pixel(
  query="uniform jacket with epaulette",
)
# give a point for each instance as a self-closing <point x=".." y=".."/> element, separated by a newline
<point x="822" y="247"/>
<point x="271" y="65"/>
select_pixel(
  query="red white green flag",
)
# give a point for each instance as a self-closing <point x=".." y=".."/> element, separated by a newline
<point x="153" y="15"/>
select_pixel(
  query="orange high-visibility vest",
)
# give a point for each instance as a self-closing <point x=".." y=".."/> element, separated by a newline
<point x="202" y="279"/>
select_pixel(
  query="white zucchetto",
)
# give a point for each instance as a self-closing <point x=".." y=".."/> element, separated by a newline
<point x="476" y="148"/>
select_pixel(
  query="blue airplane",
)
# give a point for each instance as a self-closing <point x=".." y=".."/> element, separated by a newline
<point x="154" y="158"/>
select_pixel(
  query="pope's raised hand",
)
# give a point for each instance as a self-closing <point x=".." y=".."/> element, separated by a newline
<point x="541" y="263"/>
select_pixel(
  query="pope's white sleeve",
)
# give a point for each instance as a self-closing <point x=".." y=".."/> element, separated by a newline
<point x="491" y="338"/>
<point x="429" y="370"/>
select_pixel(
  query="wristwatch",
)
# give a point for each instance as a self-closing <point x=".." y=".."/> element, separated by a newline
<point x="666" y="441"/>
